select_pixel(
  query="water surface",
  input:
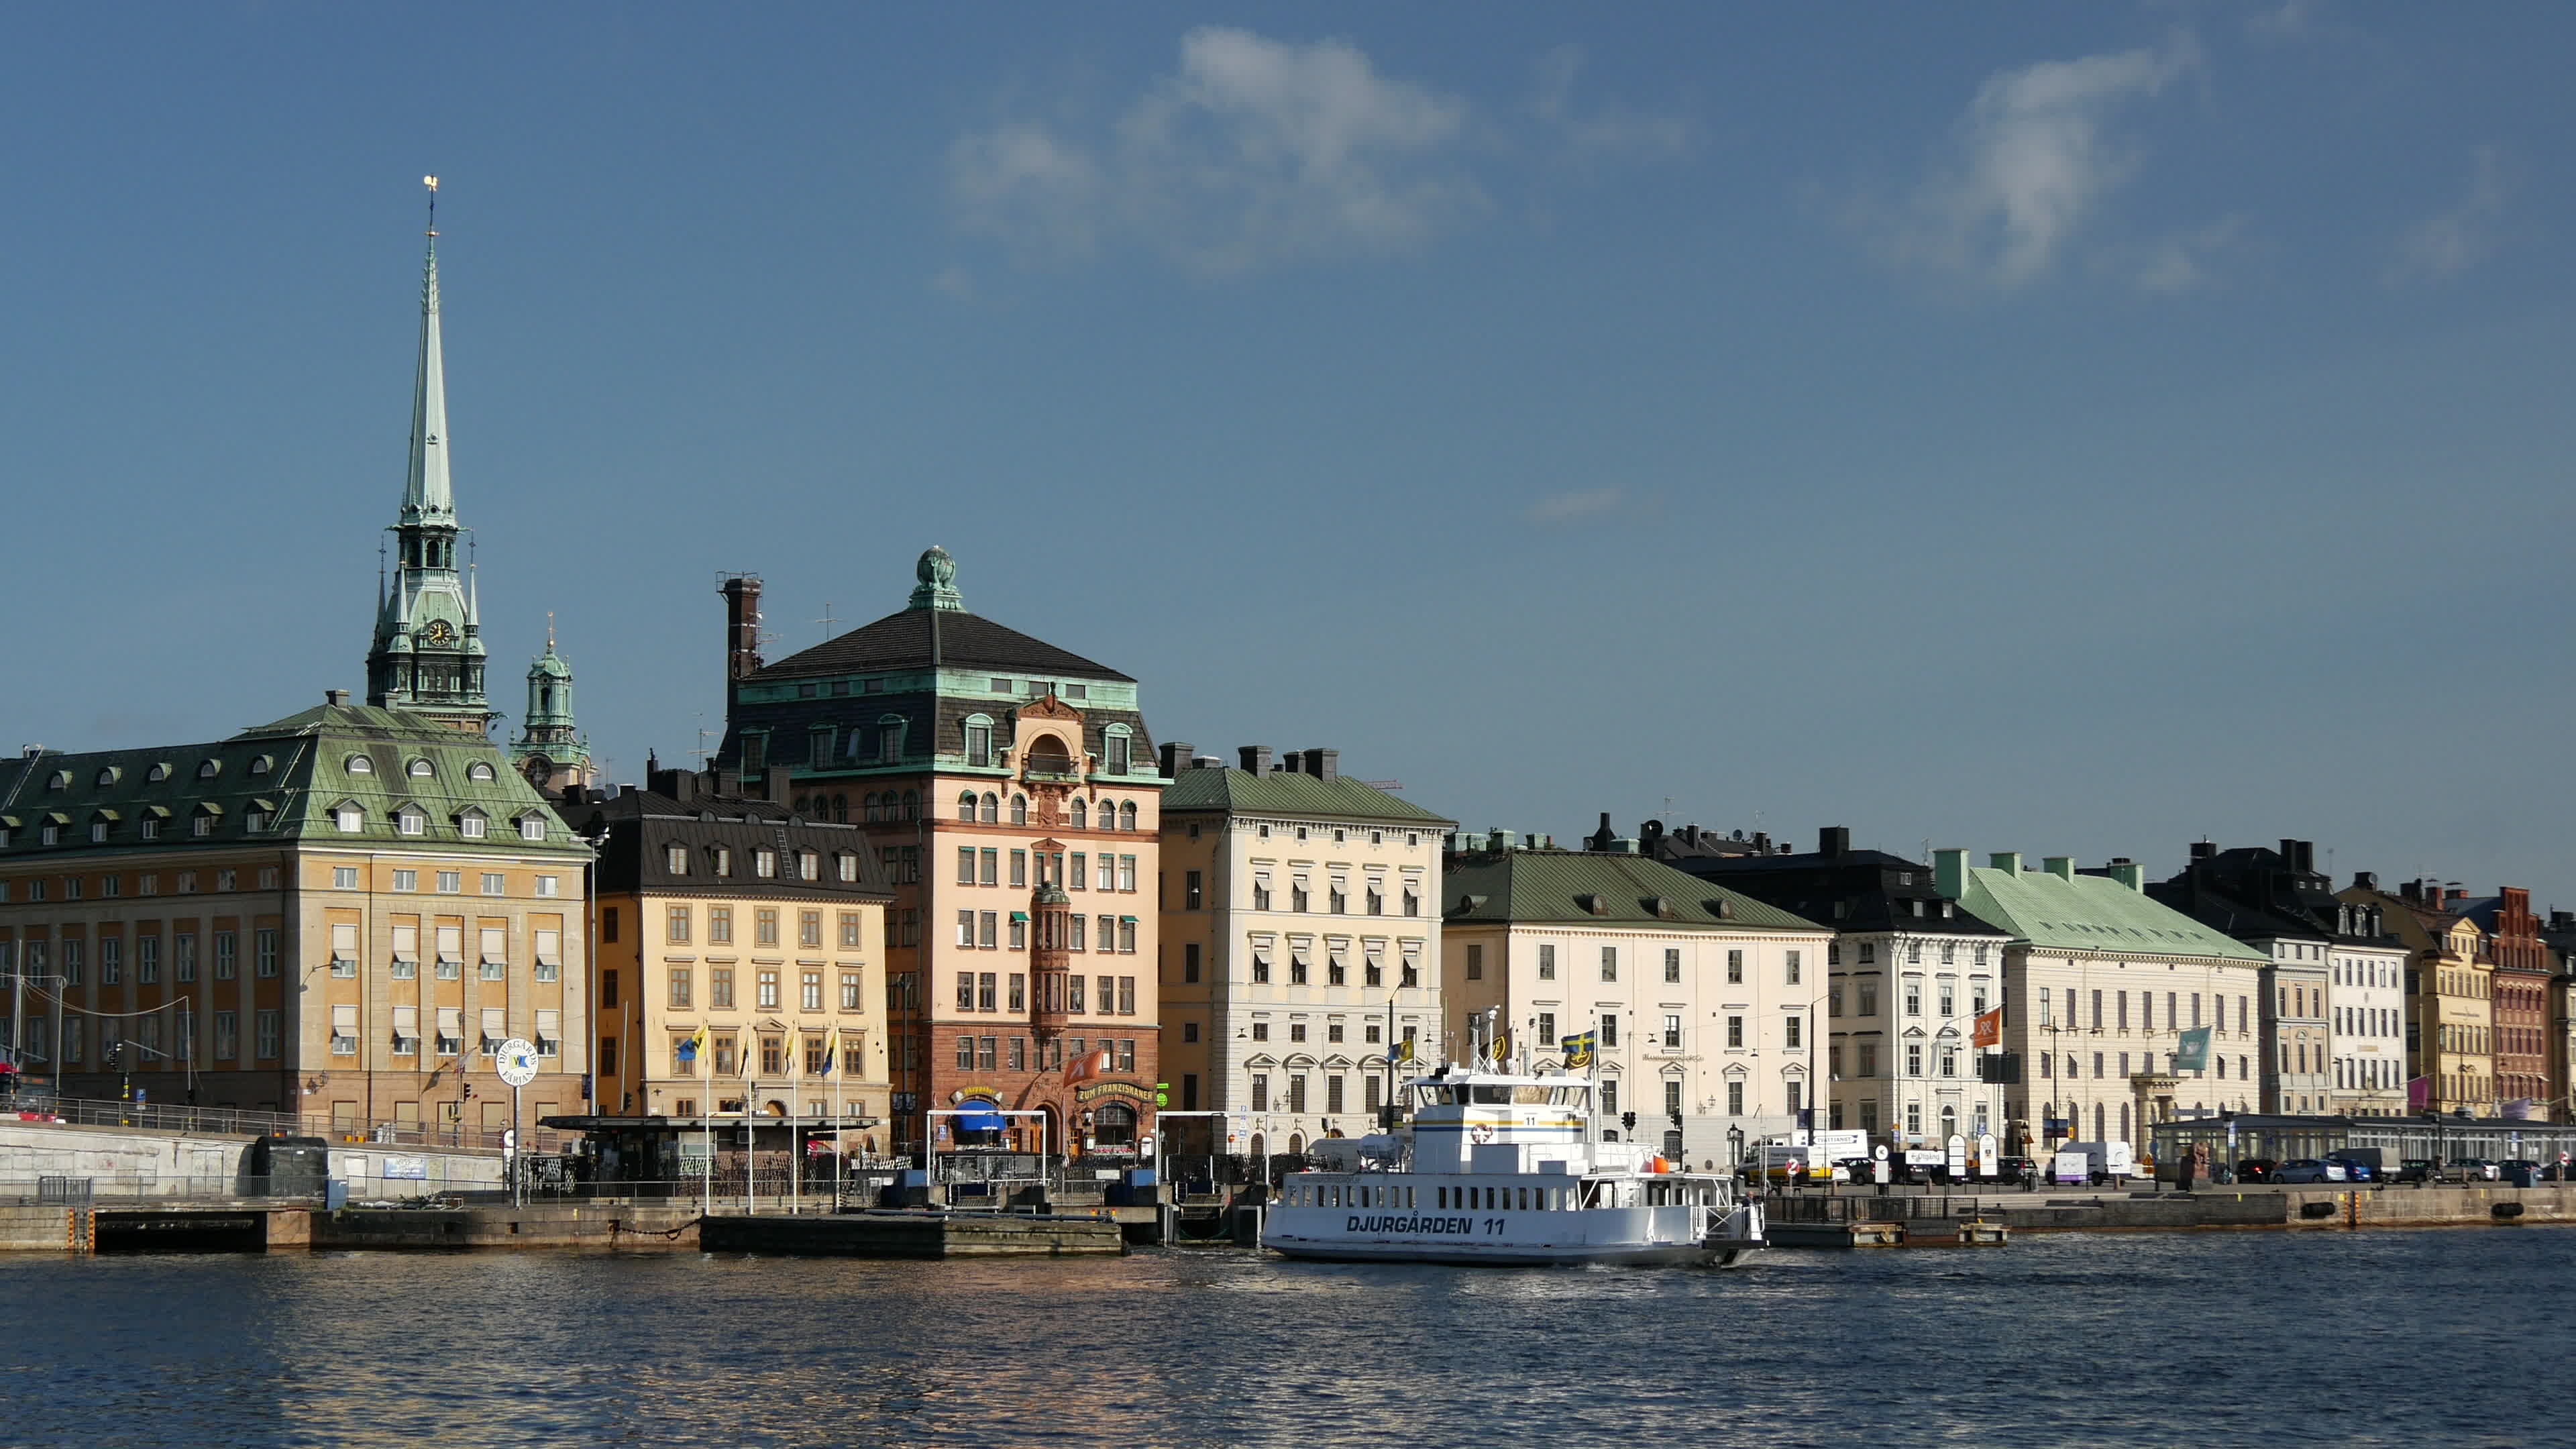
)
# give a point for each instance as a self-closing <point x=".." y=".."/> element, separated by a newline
<point x="2452" y="1337"/>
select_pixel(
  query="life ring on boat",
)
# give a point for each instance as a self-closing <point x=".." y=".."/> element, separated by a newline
<point x="1482" y="1133"/>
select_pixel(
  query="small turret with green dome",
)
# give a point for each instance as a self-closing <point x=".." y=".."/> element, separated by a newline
<point x="550" y="749"/>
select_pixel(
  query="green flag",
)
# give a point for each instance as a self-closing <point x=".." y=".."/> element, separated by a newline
<point x="2194" y="1053"/>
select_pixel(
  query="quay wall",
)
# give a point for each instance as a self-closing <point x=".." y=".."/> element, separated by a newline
<point x="144" y="1161"/>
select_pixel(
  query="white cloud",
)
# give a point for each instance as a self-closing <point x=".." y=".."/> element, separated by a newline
<point x="2289" y="20"/>
<point x="1606" y="130"/>
<point x="1255" y="152"/>
<point x="2460" y="238"/>
<point x="2181" y="263"/>
<point x="2033" y="160"/>
<point x="1570" y="507"/>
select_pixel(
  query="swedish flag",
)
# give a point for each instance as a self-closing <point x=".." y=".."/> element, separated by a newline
<point x="1578" y="1049"/>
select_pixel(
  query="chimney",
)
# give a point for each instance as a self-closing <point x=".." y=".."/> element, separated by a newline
<point x="1324" y="764"/>
<point x="1950" y="872"/>
<point x="1599" y="840"/>
<point x="2128" y="873"/>
<point x="2410" y="890"/>
<point x="1255" y="758"/>
<point x="2060" y="866"/>
<point x="2365" y="880"/>
<point x="742" y="624"/>
<point x="1649" y="836"/>
<point x="2561" y="920"/>
<point x="2204" y="850"/>
<point x="1761" y="842"/>
<point x="1208" y="762"/>
<point x="2305" y="862"/>
<point x="335" y="697"/>
<point x="774" y="784"/>
<point x="2454" y="893"/>
<point x="1175" y="756"/>
<point x="2008" y="861"/>
<point x="1834" y="840"/>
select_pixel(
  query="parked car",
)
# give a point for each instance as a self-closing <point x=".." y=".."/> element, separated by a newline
<point x="2477" y="1169"/>
<point x="2521" y="1170"/>
<point x="2361" y="1164"/>
<point x="2417" y="1170"/>
<point x="2310" y="1169"/>
<point x="2017" y="1169"/>
<point x="2255" y="1169"/>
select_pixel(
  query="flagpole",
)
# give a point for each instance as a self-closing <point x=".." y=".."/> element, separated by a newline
<point x="707" y="1163"/>
<point x="795" y="1137"/>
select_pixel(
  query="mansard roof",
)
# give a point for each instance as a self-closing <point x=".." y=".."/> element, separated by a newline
<point x="1288" y="792"/>
<point x="1561" y="887"/>
<point x="965" y="641"/>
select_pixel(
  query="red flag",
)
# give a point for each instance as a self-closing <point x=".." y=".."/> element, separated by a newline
<point x="1085" y="1067"/>
<point x="1989" y="1029"/>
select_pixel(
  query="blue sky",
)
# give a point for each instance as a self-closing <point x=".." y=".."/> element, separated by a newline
<point x="2074" y="429"/>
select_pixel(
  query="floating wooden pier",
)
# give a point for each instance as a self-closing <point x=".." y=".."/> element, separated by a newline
<point x="898" y="1234"/>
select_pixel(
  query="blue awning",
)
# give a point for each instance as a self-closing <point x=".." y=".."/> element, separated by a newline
<point x="980" y="1120"/>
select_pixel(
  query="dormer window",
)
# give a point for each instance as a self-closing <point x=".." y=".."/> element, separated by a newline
<point x="532" y="827"/>
<point x="158" y="773"/>
<point x="59" y="780"/>
<point x="209" y="769"/>
<point x="202" y="824"/>
<point x="359" y="765"/>
<point x="471" y="824"/>
<point x="349" y="817"/>
<point x="260" y="764"/>
<point x="420" y="769"/>
<point x="979" y="741"/>
<point x="107" y="777"/>
<point x="480" y="772"/>
<point x="412" y="820"/>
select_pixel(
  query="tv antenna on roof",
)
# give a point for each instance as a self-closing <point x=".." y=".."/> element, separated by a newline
<point x="828" y="621"/>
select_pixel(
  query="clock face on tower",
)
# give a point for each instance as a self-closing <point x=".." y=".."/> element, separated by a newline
<point x="438" y="632"/>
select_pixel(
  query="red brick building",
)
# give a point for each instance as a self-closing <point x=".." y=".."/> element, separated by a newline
<point x="2521" y="1001"/>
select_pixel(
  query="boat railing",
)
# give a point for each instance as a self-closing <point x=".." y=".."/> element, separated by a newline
<point x="1870" y="1208"/>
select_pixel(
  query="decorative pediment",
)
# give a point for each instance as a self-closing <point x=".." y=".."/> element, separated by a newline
<point x="1048" y="706"/>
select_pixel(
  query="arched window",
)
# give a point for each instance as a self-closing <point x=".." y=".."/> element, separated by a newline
<point x="1115" y="744"/>
<point x="1114" y="1125"/>
<point x="1081" y="813"/>
<point x="161" y="772"/>
<point x="796" y="806"/>
<point x="209" y="769"/>
<point x="992" y="808"/>
<point x="478" y="771"/>
<point x="912" y="805"/>
<point x="979" y="740"/>
<point x="840" y="808"/>
<point x="1019" y="809"/>
<point x="868" y="807"/>
<point x="966" y="806"/>
<point x="1127" y="815"/>
<point x="421" y="768"/>
<point x="108" y="776"/>
<point x="358" y="765"/>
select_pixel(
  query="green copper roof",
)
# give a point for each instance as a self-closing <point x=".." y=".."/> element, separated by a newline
<point x="1286" y="793"/>
<point x="283" y="781"/>
<point x="2092" y="913"/>
<point x="1560" y="886"/>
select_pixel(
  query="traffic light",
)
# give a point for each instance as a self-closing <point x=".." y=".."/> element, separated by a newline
<point x="1628" y="1121"/>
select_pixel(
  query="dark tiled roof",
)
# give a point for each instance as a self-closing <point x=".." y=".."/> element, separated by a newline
<point x="967" y="641"/>
<point x="1551" y="885"/>
<point x="1865" y="883"/>
<point x="1284" y="792"/>
<point x="639" y="824"/>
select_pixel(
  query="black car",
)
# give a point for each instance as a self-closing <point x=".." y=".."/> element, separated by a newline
<point x="2416" y="1170"/>
<point x="2255" y="1169"/>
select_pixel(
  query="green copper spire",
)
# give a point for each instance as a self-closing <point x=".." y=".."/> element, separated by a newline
<point x="551" y="751"/>
<point x="428" y="653"/>
<point x="938" y="586"/>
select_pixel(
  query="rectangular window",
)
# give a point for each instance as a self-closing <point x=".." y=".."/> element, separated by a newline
<point x="809" y="990"/>
<point x="1073" y="993"/>
<point x="1793" y="969"/>
<point x="965" y="865"/>
<point x="1193" y="891"/>
<point x="764" y="926"/>
<point x="1673" y="1032"/>
<point x="227" y="955"/>
<point x="1735" y="1031"/>
<point x="1673" y="964"/>
<point x="495" y="954"/>
<point x="1127" y="873"/>
<point x="1260" y="1091"/>
<point x="851" y="999"/>
<point x="809" y="929"/>
<point x="720" y="986"/>
<point x="988" y="991"/>
<point x="1126" y="996"/>
<point x="679" y="979"/>
<point x="992" y="867"/>
<point x="495" y="883"/>
<point x="1609" y="963"/>
<point x="1019" y="869"/>
<point x="406" y="880"/>
<point x="1547" y="963"/>
<point x="988" y="930"/>
<point x="451" y="882"/>
<point x="719" y="925"/>
<point x="1609" y="1028"/>
<point x="271" y="1038"/>
<point x="1190" y="962"/>
<point x="1081" y="872"/>
<point x="966" y="929"/>
<point x="1793" y="1028"/>
<point x="1734" y="968"/>
<point x="1475" y="963"/>
<point x="227" y="1035"/>
<point x="264" y="951"/>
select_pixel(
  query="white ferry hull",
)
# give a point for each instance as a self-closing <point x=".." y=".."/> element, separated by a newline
<point x="1642" y="1236"/>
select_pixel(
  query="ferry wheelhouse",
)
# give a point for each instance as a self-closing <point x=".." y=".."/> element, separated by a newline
<point x="1501" y="1168"/>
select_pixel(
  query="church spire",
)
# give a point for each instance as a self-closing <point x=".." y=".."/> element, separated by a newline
<point x="551" y="751"/>
<point x="428" y="496"/>
<point x="428" y="653"/>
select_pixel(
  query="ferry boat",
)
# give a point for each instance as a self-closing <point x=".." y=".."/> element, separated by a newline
<point x="1503" y="1168"/>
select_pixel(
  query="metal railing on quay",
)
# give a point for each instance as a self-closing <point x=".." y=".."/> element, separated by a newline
<point x="246" y="1122"/>
<point x="134" y="1190"/>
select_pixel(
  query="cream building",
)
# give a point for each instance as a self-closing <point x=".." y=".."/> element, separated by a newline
<point x="2102" y="985"/>
<point x="1300" y="941"/>
<point x="2450" y="992"/>
<point x="753" y="925"/>
<point x="1705" y="1001"/>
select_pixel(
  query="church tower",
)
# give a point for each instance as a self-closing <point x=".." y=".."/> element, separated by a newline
<point x="551" y="752"/>
<point x="428" y="651"/>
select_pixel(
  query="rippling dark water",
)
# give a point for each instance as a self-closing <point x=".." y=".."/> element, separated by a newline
<point x="2392" y="1337"/>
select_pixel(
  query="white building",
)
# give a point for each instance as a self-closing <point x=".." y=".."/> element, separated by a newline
<point x="2102" y="986"/>
<point x="1300" y="941"/>
<point x="1705" y="1001"/>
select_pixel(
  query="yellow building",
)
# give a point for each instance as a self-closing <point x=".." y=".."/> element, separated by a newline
<point x="343" y="914"/>
<point x="2450" y="995"/>
<point x="741" y="962"/>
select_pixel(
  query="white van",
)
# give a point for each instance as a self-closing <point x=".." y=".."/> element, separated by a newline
<point x="2105" y="1162"/>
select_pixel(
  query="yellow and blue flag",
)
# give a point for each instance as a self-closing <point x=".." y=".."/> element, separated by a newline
<point x="1578" y="1049"/>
